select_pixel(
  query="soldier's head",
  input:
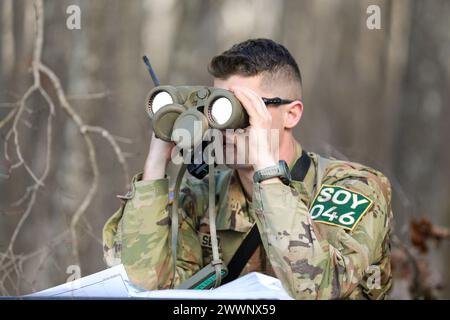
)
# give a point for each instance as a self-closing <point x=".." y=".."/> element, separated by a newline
<point x="267" y="68"/>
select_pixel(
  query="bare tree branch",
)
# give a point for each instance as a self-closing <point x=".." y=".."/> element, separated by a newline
<point x="11" y="264"/>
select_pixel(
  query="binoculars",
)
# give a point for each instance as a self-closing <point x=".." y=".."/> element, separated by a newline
<point x="193" y="109"/>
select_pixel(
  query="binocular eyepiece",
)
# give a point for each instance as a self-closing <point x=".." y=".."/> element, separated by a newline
<point x="193" y="109"/>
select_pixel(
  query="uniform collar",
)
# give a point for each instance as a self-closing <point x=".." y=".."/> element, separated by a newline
<point x="310" y="177"/>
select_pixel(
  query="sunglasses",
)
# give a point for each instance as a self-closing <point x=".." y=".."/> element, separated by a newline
<point x="276" y="101"/>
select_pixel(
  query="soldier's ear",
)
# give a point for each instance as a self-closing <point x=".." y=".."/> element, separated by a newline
<point x="293" y="114"/>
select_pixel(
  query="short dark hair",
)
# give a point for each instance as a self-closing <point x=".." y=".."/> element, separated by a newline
<point x="253" y="57"/>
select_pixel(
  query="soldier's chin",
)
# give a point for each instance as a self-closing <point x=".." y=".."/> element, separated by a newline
<point x="235" y="164"/>
<point x="238" y="166"/>
<point x="232" y="159"/>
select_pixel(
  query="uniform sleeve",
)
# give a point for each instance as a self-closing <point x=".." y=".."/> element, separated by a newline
<point x="319" y="262"/>
<point x="138" y="236"/>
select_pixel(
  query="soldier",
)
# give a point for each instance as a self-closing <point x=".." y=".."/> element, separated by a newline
<point x="322" y="226"/>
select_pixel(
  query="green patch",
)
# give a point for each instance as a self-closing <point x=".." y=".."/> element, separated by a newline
<point x="339" y="206"/>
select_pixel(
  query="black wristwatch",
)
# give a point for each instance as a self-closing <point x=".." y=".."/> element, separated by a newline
<point x="281" y="171"/>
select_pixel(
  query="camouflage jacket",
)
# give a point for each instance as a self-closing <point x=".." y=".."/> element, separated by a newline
<point x="313" y="258"/>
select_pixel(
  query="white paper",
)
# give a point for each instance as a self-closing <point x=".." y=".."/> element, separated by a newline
<point x="109" y="283"/>
<point x="114" y="283"/>
<point x="253" y="286"/>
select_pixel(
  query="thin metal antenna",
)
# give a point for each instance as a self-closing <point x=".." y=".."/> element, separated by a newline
<point x="151" y="71"/>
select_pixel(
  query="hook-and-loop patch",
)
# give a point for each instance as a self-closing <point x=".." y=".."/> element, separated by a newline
<point x="339" y="206"/>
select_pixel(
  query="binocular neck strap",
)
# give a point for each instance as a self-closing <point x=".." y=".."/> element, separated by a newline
<point x="216" y="262"/>
<point x="174" y="220"/>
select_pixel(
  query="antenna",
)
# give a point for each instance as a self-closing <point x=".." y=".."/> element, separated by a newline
<point x="151" y="71"/>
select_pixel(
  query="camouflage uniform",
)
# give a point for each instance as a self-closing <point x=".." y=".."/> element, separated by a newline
<point x="312" y="260"/>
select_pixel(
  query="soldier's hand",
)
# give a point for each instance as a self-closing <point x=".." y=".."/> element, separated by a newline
<point x="260" y="126"/>
<point x="157" y="159"/>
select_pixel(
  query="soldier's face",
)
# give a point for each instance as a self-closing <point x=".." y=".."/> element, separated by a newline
<point x="237" y="148"/>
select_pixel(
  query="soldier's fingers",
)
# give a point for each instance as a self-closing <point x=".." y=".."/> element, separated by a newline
<point x="258" y="104"/>
<point x="246" y="102"/>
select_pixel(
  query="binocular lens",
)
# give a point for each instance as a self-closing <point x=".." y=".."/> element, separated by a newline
<point x="221" y="110"/>
<point x="160" y="100"/>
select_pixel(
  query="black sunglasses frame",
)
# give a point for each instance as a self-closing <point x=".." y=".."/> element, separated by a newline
<point x="276" y="101"/>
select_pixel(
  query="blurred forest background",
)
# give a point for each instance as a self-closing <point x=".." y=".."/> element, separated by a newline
<point x="73" y="129"/>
